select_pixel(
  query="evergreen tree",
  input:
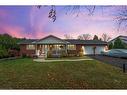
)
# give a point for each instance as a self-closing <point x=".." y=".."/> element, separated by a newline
<point x="95" y="37"/>
<point x="118" y="44"/>
<point x="100" y="39"/>
<point x="7" y="43"/>
<point x="110" y="46"/>
<point x="3" y="52"/>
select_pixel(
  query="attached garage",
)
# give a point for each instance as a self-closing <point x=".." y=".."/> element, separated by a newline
<point x="89" y="47"/>
<point x="99" y="49"/>
<point x="90" y="50"/>
<point x="87" y="50"/>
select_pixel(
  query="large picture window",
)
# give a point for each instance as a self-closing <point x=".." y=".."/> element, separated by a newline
<point x="71" y="47"/>
<point x="30" y="47"/>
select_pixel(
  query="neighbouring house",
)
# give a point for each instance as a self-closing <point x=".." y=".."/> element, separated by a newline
<point x="122" y="38"/>
<point x="54" y="46"/>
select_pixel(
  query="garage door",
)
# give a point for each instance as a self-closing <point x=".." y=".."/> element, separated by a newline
<point x="99" y="49"/>
<point x="89" y="50"/>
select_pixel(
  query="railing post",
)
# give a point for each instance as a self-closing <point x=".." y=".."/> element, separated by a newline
<point x="124" y="68"/>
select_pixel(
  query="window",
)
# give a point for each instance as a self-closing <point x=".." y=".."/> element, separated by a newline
<point x="58" y="47"/>
<point x="71" y="47"/>
<point x="30" y="47"/>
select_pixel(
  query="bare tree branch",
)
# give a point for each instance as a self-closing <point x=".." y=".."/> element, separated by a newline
<point x="52" y="13"/>
<point x="91" y="10"/>
<point x="39" y="6"/>
<point x="105" y="37"/>
<point x="68" y="36"/>
<point x="75" y="10"/>
<point x="121" y="18"/>
<point x="84" y="37"/>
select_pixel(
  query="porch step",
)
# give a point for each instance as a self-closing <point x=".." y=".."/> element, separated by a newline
<point x="41" y="56"/>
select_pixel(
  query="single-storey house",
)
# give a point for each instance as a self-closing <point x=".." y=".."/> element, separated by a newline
<point x="55" y="45"/>
<point x="122" y="38"/>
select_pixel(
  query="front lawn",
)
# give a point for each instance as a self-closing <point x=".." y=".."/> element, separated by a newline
<point x="26" y="74"/>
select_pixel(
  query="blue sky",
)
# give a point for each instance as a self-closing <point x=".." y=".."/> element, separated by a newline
<point x="31" y="22"/>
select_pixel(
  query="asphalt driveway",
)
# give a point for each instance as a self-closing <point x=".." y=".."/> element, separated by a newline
<point x="111" y="60"/>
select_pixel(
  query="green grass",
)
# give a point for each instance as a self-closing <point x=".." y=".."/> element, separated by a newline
<point x="26" y="74"/>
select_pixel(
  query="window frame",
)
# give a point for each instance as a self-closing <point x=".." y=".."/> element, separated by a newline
<point x="30" y="47"/>
<point x="69" y="47"/>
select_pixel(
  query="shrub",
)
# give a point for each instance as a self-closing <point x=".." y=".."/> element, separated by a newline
<point x="81" y="52"/>
<point x="71" y="53"/>
<point x="24" y="56"/>
<point x="118" y="44"/>
<point x="63" y="53"/>
<point x="49" y="54"/>
<point x="3" y="52"/>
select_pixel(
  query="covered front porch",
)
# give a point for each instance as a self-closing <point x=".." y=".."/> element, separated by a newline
<point x="51" y="50"/>
<point x="51" y="46"/>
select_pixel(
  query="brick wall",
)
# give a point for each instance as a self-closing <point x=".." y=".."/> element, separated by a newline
<point x="24" y="51"/>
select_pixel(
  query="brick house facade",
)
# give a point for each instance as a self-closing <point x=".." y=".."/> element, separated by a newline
<point x="71" y="46"/>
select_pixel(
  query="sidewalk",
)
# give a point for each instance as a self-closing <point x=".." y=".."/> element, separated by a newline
<point x="43" y="60"/>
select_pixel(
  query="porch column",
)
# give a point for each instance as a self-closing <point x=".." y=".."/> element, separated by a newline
<point x="35" y="48"/>
<point x="66" y="48"/>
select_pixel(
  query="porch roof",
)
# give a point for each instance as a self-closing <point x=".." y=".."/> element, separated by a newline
<point x="51" y="40"/>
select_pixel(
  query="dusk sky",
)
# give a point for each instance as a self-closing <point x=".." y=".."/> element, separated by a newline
<point x="31" y="22"/>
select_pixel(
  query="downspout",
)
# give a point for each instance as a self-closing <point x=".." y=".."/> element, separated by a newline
<point x="36" y="48"/>
<point x="66" y="48"/>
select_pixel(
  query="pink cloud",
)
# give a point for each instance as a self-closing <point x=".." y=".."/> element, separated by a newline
<point x="15" y="31"/>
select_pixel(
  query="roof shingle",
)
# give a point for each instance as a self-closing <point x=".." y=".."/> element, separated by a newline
<point x="67" y="41"/>
<point x="86" y="42"/>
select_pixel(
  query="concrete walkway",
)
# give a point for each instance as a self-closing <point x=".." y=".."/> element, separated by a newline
<point x="59" y="60"/>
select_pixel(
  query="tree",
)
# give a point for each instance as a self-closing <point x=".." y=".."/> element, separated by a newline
<point x="95" y="37"/>
<point x="121" y="18"/>
<point x="3" y="52"/>
<point x="110" y="46"/>
<point x="84" y="37"/>
<point x="76" y="9"/>
<point x="8" y="43"/>
<point x="118" y="44"/>
<point x="100" y="39"/>
<point x="68" y="36"/>
<point x="105" y="37"/>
